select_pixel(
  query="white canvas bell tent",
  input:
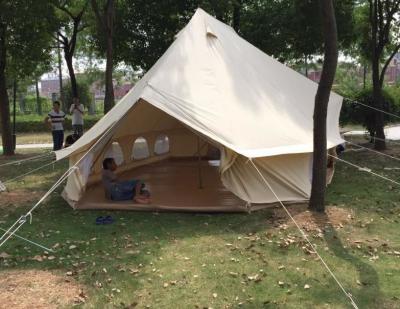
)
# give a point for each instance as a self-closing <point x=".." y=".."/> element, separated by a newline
<point x="211" y="88"/>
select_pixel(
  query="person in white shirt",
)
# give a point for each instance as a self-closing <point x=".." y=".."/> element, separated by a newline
<point x="77" y="112"/>
<point x="56" y="119"/>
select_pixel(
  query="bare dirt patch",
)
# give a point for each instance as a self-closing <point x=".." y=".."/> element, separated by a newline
<point x="313" y="221"/>
<point x="37" y="289"/>
<point x="16" y="197"/>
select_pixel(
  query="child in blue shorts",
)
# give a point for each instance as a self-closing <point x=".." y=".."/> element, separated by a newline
<point x="122" y="190"/>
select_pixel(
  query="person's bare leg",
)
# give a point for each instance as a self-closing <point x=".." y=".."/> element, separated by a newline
<point x="139" y="198"/>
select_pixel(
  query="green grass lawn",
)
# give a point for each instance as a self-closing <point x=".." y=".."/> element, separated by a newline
<point x="170" y="260"/>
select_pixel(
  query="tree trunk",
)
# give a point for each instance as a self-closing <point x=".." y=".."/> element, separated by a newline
<point x="380" y="143"/>
<point x="306" y="65"/>
<point x="109" y="32"/>
<point x="14" y="135"/>
<point x="5" y="124"/>
<point x="6" y="134"/>
<point x="364" y="76"/>
<point x="317" y="199"/>
<point x="377" y="38"/>
<point x="237" y="6"/>
<point x="38" y="102"/>
<point x="60" y="78"/>
<point x="21" y="102"/>
<point x="92" y="105"/>
<point x="109" y="94"/>
<point x="71" y="71"/>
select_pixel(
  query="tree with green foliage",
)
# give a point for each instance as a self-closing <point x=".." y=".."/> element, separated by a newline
<point x="41" y="68"/>
<point x="70" y="16"/>
<point x="384" y="42"/>
<point x="146" y="28"/>
<point x="24" y="42"/>
<point x="291" y="30"/>
<point x="378" y="41"/>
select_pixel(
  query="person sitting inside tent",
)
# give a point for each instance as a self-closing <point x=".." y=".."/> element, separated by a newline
<point x="122" y="190"/>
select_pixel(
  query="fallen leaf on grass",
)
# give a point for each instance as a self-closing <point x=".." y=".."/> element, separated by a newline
<point x="38" y="258"/>
<point x="134" y="271"/>
<point x="98" y="284"/>
<point x="252" y="278"/>
<point x="133" y="252"/>
<point x="80" y="298"/>
<point x="4" y="255"/>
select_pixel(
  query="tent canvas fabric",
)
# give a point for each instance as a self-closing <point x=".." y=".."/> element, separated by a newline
<point x="212" y="88"/>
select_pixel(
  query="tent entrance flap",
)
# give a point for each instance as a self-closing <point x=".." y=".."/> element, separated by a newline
<point x="174" y="187"/>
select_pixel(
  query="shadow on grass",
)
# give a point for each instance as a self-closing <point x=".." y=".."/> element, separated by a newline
<point x="369" y="295"/>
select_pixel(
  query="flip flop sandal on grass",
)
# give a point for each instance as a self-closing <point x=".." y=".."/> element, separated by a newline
<point x="100" y="220"/>
<point x="108" y="220"/>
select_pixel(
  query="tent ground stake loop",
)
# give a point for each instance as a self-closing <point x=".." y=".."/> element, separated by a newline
<point x="30" y="241"/>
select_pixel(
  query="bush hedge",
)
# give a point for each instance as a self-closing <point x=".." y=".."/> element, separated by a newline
<point x="27" y="125"/>
<point x="30" y="105"/>
<point x="353" y="113"/>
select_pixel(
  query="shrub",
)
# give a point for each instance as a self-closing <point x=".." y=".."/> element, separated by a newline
<point x="30" y="105"/>
<point x="354" y="113"/>
<point x="29" y="124"/>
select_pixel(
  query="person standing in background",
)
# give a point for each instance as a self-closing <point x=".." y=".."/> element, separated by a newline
<point x="77" y="112"/>
<point x="56" y="119"/>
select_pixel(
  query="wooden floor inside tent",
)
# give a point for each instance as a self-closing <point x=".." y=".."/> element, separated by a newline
<point x="174" y="186"/>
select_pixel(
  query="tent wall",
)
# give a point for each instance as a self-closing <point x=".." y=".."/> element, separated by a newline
<point x="288" y="176"/>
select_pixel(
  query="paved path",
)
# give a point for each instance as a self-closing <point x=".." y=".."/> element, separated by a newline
<point x="392" y="133"/>
<point x="34" y="146"/>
